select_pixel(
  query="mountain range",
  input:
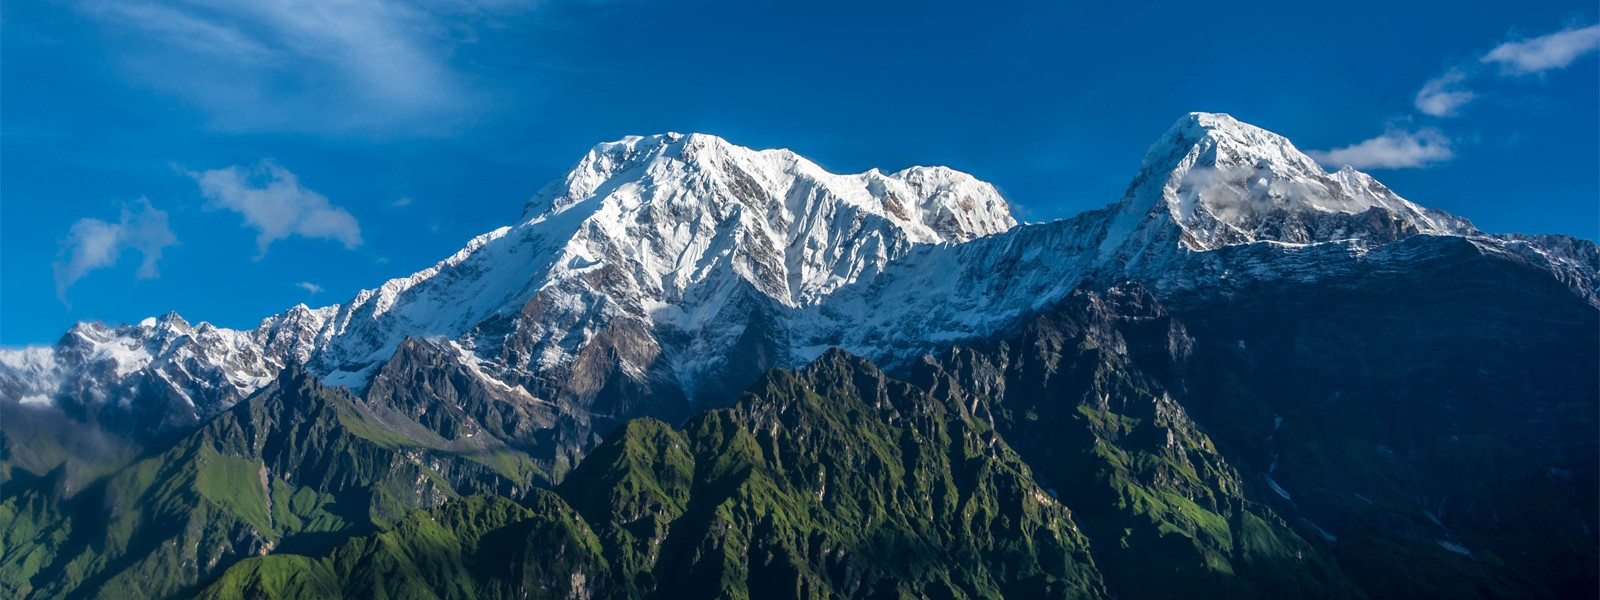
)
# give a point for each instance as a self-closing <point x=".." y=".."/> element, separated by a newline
<point x="693" y="369"/>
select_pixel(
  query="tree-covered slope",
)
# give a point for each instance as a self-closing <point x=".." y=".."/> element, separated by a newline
<point x="1438" y="417"/>
<point x="1089" y="393"/>
<point x="1099" y="448"/>
<point x="838" y="480"/>
<point x="296" y="468"/>
<point x="831" y="481"/>
<point x="476" y="547"/>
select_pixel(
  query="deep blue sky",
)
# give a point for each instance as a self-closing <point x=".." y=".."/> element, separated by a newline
<point x="465" y="109"/>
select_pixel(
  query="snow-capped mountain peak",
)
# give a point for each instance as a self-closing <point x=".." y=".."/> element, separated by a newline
<point x="660" y="234"/>
<point x="1227" y="182"/>
<point x="661" y="231"/>
<point x="932" y="204"/>
<point x="672" y="263"/>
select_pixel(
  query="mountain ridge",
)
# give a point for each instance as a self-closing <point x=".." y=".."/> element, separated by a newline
<point x="1250" y="375"/>
<point x="656" y="257"/>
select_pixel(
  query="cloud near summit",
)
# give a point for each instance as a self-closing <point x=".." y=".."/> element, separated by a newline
<point x="1395" y="149"/>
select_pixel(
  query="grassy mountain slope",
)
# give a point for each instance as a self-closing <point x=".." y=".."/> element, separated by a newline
<point x="831" y="481"/>
<point x="1355" y="442"/>
<point x="1439" y="420"/>
<point x="1088" y="394"/>
<point x="298" y="467"/>
<point x="476" y="547"/>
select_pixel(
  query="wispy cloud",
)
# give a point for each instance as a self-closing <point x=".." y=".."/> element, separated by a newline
<point x="401" y="203"/>
<point x="1443" y="95"/>
<point x="374" y="66"/>
<point x="95" y="244"/>
<point x="310" y="288"/>
<point x="1395" y="149"/>
<point x="272" y="201"/>
<point x="1546" y="52"/>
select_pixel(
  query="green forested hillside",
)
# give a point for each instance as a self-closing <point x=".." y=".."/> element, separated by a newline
<point x="1098" y="449"/>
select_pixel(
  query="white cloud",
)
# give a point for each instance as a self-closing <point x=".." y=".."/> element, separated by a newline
<point x="401" y="203"/>
<point x="274" y="203"/>
<point x="310" y="288"/>
<point x="376" y="66"/>
<point x="1443" y="95"/>
<point x="94" y="244"/>
<point x="1546" y="52"/>
<point x="1395" y="149"/>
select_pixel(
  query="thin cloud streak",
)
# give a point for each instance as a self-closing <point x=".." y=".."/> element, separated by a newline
<point x="1445" y="95"/>
<point x="1553" y="51"/>
<point x="380" y="67"/>
<point x="94" y="244"/>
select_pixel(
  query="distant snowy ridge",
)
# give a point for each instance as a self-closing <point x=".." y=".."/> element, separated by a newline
<point x="1217" y="204"/>
<point x="668" y="257"/>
